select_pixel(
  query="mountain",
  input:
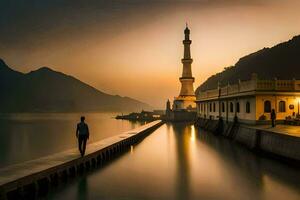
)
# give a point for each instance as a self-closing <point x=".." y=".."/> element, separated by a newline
<point x="45" y="90"/>
<point x="281" y="61"/>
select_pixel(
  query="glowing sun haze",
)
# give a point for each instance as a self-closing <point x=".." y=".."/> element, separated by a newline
<point x="134" y="47"/>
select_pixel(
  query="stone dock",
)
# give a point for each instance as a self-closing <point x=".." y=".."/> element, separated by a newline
<point x="282" y="140"/>
<point x="31" y="179"/>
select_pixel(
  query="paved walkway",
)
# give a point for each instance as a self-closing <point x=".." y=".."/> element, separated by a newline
<point x="17" y="171"/>
<point x="280" y="128"/>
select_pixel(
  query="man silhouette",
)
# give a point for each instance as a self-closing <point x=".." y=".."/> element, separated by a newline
<point x="273" y="118"/>
<point x="82" y="134"/>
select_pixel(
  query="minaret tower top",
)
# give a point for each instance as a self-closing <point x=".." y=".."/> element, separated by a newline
<point x="187" y="32"/>
<point x="187" y="42"/>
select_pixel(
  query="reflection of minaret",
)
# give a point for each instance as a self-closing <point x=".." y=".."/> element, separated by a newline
<point x="187" y="80"/>
<point x="183" y="173"/>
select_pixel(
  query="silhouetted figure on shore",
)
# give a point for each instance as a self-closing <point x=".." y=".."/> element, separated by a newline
<point x="273" y="118"/>
<point x="82" y="134"/>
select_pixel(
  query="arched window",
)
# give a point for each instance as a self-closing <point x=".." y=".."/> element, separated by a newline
<point x="214" y="107"/>
<point x="281" y="106"/>
<point x="231" y="107"/>
<point x="210" y="107"/>
<point x="248" y="107"/>
<point x="223" y="107"/>
<point x="237" y="107"/>
<point x="267" y="106"/>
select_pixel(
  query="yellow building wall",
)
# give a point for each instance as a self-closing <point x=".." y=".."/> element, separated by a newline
<point x="290" y="100"/>
<point x="256" y="108"/>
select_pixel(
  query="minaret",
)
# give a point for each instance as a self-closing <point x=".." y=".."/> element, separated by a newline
<point x="168" y="105"/>
<point x="187" y="80"/>
<point x="186" y="99"/>
<point x="168" y="109"/>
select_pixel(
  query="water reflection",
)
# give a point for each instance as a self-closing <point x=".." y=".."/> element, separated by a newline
<point x="182" y="137"/>
<point x="82" y="190"/>
<point x="29" y="136"/>
<point x="181" y="162"/>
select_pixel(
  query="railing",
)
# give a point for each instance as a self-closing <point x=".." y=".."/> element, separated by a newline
<point x="265" y="85"/>
<point x="251" y="85"/>
<point x="246" y="86"/>
<point x="232" y="89"/>
<point x="213" y="93"/>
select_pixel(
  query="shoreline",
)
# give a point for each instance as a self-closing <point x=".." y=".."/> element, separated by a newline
<point x="35" y="178"/>
<point x="261" y="141"/>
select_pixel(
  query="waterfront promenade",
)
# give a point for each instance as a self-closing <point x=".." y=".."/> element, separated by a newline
<point x="28" y="179"/>
<point x="282" y="140"/>
<point x="280" y="129"/>
<point x="179" y="161"/>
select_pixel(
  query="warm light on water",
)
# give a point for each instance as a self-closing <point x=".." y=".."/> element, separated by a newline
<point x="176" y="161"/>
<point x="193" y="134"/>
<point x="181" y="162"/>
<point x="131" y="149"/>
<point x="30" y="136"/>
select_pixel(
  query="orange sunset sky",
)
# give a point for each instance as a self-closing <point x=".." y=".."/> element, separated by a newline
<point x="134" y="48"/>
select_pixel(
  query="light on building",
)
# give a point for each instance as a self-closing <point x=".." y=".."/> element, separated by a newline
<point x="298" y="101"/>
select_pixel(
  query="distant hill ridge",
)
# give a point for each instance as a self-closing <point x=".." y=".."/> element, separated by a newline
<point x="46" y="90"/>
<point x="281" y="61"/>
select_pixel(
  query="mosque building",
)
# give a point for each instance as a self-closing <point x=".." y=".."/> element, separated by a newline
<point x="251" y="101"/>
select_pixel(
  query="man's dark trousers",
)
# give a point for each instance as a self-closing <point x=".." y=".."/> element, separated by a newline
<point x="82" y="143"/>
<point x="273" y="123"/>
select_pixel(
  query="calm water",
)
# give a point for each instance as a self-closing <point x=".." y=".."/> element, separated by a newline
<point x="28" y="136"/>
<point x="181" y="162"/>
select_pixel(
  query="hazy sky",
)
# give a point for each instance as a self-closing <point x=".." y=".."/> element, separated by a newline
<point x="134" y="47"/>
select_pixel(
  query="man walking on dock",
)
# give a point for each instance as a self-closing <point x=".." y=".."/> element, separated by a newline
<point x="82" y="134"/>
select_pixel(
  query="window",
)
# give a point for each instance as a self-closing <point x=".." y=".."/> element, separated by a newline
<point x="248" y="107"/>
<point x="281" y="106"/>
<point x="214" y="107"/>
<point x="237" y="107"/>
<point x="210" y="107"/>
<point x="223" y="107"/>
<point x="231" y="107"/>
<point x="267" y="106"/>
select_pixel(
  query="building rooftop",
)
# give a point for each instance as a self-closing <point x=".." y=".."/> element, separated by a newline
<point x="251" y="87"/>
